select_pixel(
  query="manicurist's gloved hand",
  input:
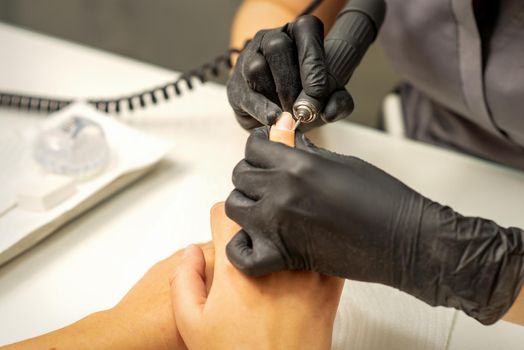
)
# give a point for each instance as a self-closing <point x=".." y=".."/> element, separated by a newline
<point x="274" y="67"/>
<point x="310" y="209"/>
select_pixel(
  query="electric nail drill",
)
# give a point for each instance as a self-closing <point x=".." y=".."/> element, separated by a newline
<point x="356" y="27"/>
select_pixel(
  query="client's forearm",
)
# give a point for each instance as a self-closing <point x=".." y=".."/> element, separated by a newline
<point x="143" y="319"/>
<point x="102" y="330"/>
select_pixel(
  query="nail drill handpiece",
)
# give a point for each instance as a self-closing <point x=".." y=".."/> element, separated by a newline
<point x="356" y="27"/>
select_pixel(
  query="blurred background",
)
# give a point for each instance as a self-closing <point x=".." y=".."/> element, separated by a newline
<point x="179" y="35"/>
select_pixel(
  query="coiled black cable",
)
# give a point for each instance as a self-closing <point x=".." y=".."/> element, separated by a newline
<point x="130" y="102"/>
<point x="212" y="69"/>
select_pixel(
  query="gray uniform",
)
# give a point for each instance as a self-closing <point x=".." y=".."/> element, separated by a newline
<point x="464" y="64"/>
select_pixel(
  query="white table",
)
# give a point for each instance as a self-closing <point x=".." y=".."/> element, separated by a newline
<point x="89" y="264"/>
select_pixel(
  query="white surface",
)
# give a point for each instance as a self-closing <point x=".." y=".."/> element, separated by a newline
<point x="376" y="317"/>
<point x="13" y="151"/>
<point x="45" y="193"/>
<point x="89" y="264"/>
<point x="469" y="334"/>
<point x="392" y="114"/>
<point x="130" y="150"/>
<point x="7" y="202"/>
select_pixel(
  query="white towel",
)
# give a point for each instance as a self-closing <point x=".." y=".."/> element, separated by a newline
<point x="376" y="317"/>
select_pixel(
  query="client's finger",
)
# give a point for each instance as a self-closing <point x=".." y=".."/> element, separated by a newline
<point x="188" y="289"/>
<point x="222" y="229"/>
<point x="209" y="255"/>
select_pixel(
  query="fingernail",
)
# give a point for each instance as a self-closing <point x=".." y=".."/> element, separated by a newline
<point x="285" y="121"/>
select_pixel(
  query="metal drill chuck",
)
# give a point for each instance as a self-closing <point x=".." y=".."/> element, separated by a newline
<point x="304" y="111"/>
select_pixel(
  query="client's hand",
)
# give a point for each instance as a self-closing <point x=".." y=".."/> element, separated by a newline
<point x="146" y="310"/>
<point x="143" y="319"/>
<point x="285" y="310"/>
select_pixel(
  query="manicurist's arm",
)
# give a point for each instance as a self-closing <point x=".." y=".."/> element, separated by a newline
<point x="361" y="223"/>
<point x="254" y="15"/>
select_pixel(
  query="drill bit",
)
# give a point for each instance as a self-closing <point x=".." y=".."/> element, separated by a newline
<point x="298" y="122"/>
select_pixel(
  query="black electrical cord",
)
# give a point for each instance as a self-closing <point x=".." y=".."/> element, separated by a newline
<point x="212" y="69"/>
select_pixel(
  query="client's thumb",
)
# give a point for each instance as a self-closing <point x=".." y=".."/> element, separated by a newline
<point x="188" y="289"/>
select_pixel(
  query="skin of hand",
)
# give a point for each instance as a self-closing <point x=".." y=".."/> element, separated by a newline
<point x="516" y="313"/>
<point x="286" y="310"/>
<point x="274" y="68"/>
<point x="306" y="208"/>
<point x="143" y="319"/>
<point x="254" y="15"/>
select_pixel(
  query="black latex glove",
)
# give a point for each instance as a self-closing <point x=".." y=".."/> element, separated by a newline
<point x="310" y="209"/>
<point x="274" y="67"/>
